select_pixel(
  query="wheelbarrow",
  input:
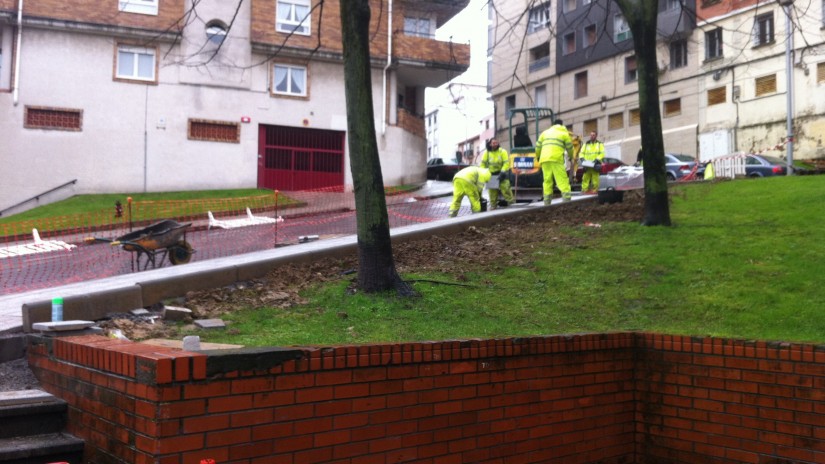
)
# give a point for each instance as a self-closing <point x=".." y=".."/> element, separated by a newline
<point x="166" y="238"/>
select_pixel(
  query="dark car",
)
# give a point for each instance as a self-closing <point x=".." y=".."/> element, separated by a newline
<point x="679" y="165"/>
<point x="443" y="169"/>
<point x="608" y="164"/>
<point x="763" y="166"/>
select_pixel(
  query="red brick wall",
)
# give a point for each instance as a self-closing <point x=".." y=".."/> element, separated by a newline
<point x="554" y="399"/>
<point x="714" y="400"/>
<point x="606" y="398"/>
<point x="100" y="12"/>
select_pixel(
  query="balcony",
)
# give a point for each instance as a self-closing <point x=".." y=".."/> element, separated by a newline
<point x="411" y="123"/>
<point x="428" y="62"/>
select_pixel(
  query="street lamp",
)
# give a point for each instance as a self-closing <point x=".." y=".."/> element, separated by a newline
<point x="787" y="5"/>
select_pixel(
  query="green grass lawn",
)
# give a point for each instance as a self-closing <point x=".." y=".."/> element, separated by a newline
<point x="743" y="259"/>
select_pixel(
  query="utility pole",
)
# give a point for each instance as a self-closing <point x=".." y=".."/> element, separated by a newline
<point x="787" y="5"/>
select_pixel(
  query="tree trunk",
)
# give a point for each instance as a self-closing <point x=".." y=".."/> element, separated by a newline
<point x="642" y="16"/>
<point x="376" y="267"/>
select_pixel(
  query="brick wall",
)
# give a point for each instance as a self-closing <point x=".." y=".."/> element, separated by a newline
<point x="594" y="398"/>
<point x="553" y="399"/>
<point x="101" y="13"/>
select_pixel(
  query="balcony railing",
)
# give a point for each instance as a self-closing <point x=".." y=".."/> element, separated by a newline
<point x="540" y="63"/>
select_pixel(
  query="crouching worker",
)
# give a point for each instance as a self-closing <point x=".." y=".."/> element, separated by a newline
<point x="468" y="182"/>
<point x="497" y="160"/>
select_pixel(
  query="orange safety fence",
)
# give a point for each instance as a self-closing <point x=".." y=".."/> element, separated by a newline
<point x="55" y="251"/>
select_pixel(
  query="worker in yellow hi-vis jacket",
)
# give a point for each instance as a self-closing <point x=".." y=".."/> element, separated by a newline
<point x="592" y="151"/>
<point x="469" y="182"/>
<point x="550" y="149"/>
<point x="497" y="160"/>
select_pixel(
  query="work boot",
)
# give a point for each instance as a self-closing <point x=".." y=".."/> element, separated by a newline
<point x="548" y="200"/>
<point x="566" y="196"/>
<point x="453" y="214"/>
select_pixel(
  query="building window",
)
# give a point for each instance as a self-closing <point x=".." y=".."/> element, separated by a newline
<point x="630" y="72"/>
<point x="136" y="63"/>
<point x="541" y="96"/>
<point x="214" y="131"/>
<point x="820" y="72"/>
<point x="417" y="27"/>
<point x="765" y="85"/>
<point x="580" y="85"/>
<point x="717" y="96"/>
<point x="672" y="107"/>
<point x="713" y="44"/>
<point x="634" y="117"/>
<point x="53" y="118"/>
<point x="509" y="104"/>
<point x="615" y="121"/>
<point x="678" y="54"/>
<point x="591" y="125"/>
<point x="147" y="7"/>
<point x="673" y="5"/>
<point x="539" y="18"/>
<point x="289" y="80"/>
<point x="569" y="43"/>
<point x="621" y="30"/>
<point x="568" y="5"/>
<point x="590" y="36"/>
<point x="215" y="32"/>
<point x="763" y="29"/>
<point x="539" y="57"/>
<point x="293" y="16"/>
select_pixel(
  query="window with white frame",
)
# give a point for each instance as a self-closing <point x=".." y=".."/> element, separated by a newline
<point x="580" y="85"/>
<point x="713" y="44"/>
<point x="678" y="54"/>
<point x="147" y="7"/>
<point x="621" y="30"/>
<point x="630" y="71"/>
<point x="293" y="16"/>
<point x="289" y="80"/>
<point x="569" y="43"/>
<point x="673" y="5"/>
<point x="590" y="36"/>
<point x="138" y="63"/>
<point x="539" y="18"/>
<point x="215" y="32"/>
<point x="541" y="96"/>
<point x="417" y="27"/>
<point x="763" y="29"/>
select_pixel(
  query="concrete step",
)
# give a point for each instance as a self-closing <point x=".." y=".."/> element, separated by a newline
<point x="41" y="449"/>
<point x="30" y="412"/>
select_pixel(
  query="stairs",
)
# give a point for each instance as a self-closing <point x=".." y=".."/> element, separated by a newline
<point x="31" y="430"/>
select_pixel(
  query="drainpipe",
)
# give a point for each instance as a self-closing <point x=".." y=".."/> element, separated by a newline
<point x="16" y="84"/>
<point x="386" y="70"/>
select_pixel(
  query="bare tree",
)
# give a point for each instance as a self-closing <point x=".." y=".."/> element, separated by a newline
<point x="376" y="267"/>
<point x="642" y="17"/>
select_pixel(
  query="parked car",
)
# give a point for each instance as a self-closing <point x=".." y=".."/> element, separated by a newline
<point x="679" y="165"/>
<point x="443" y="169"/>
<point x="608" y="164"/>
<point x="762" y="166"/>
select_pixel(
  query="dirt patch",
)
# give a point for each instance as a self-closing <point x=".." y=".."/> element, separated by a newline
<point x="451" y="254"/>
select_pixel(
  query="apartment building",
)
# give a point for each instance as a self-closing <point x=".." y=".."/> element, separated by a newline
<point x="162" y="95"/>
<point x="721" y="73"/>
<point x="456" y="117"/>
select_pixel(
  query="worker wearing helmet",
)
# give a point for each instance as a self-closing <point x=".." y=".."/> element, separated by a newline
<point x="469" y="182"/>
<point x="550" y="148"/>
<point x="497" y="160"/>
<point x="593" y="150"/>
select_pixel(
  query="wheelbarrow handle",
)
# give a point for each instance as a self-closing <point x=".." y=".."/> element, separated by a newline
<point x="97" y="239"/>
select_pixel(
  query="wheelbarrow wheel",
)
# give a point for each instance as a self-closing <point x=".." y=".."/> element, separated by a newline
<point x="180" y="253"/>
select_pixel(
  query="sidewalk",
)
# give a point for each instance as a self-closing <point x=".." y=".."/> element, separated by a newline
<point x="148" y="287"/>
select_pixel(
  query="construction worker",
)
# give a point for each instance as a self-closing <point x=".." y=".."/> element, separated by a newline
<point x="497" y="161"/>
<point x="469" y="182"/>
<point x="593" y="150"/>
<point x="550" y="149"/>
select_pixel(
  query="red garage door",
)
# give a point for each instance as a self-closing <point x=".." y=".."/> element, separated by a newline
<point x="296" y="158"/>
